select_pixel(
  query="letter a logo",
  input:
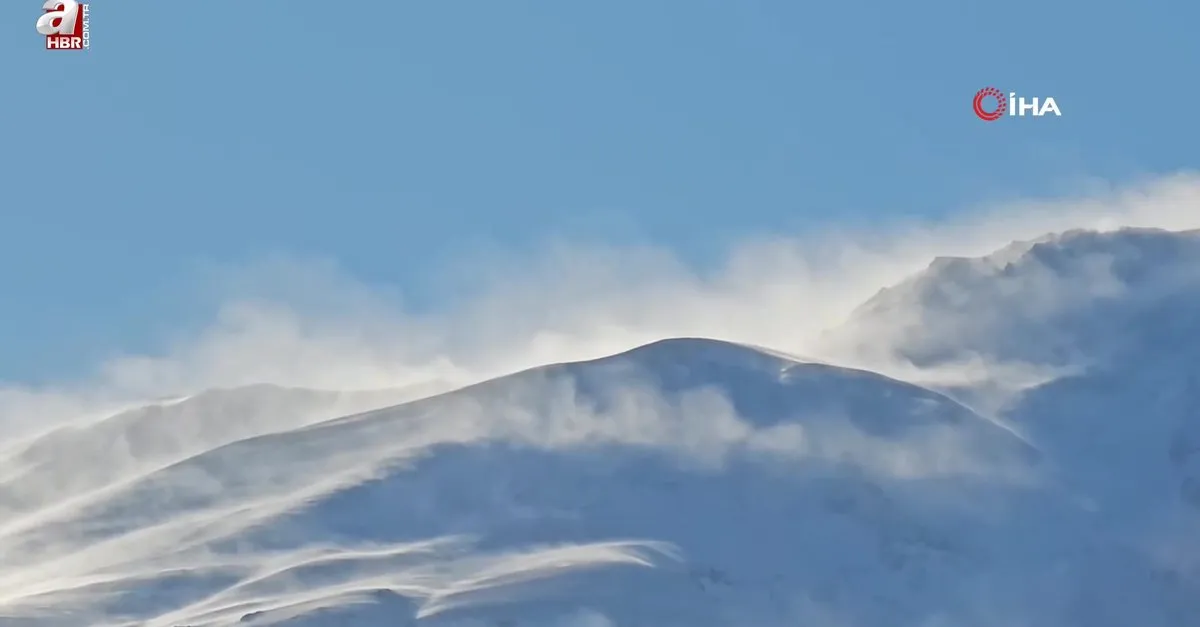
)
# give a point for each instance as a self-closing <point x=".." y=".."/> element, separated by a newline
<point x="66" y="12"/>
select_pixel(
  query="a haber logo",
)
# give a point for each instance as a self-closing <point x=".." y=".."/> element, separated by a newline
<point x="65" y="25"/>
<point x="1013" y="105"/>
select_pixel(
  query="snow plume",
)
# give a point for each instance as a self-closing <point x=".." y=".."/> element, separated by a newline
<point x="307" y="323"/>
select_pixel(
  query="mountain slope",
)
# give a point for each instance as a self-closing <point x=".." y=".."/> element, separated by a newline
<point x="575" y="466"/>
<point x="1117" y="315"/>
<point x="38" y="472"/>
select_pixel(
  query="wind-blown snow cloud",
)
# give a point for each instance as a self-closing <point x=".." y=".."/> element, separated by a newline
<point x="306" y="323"/>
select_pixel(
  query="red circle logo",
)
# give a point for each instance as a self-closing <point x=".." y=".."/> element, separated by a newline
<point x="1001" y="104"/>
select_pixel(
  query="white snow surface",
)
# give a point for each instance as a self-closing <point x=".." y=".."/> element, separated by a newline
<point x="690" y="482"/>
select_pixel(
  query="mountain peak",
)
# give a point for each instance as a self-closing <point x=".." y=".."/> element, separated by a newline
<point x="1062" y="299"/>
<point x="699" y="351"/>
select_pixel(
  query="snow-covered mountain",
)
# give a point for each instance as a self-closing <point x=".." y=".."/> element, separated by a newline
<point x="688" y="482"/>
<point x="1065" y="300"/>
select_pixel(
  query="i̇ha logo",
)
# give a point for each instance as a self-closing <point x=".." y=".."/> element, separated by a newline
<point x="1012" y="105"/>
<point x="65" y="25"/>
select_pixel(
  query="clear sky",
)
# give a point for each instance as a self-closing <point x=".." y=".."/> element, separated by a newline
<point x="396" y="137"/>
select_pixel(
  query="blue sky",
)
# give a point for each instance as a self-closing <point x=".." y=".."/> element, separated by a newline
<point x="397" y="138"/>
